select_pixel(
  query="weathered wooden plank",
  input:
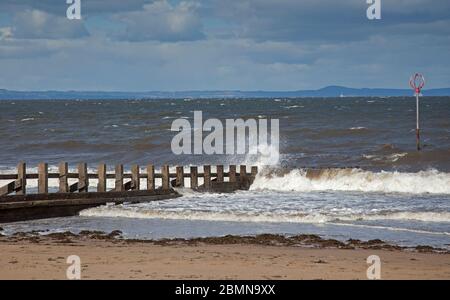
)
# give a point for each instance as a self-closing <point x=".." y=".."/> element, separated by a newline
<point x="90" y="195"/>
<point x="242" y="173"/>
<point x="43" y="178"/>
<point x="219" y="173"/>
<point x="7" y="189"/>
<point x="165" y="177"/>
<point x="207" y="176"/>
<point x="135" y="180"/>
<point x="180" y="177"/>
<point x="63" y="180"/>
<point x="150" y="177"/>
<point x="22" y="176"/>
<point x="37" y="206"/>
<point x="95" y="175"/>
<point x="11" y="187"/>
<point x="83" y="179"/>
<point x="101" y="185"/>
<point x="232" y="173"/>
<point x="119" y="178"/>
<point x="73" y="188"/>
<point x="194" y="177"/>
<point x="128" y="186"/>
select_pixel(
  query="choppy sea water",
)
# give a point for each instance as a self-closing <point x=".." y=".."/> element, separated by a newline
<point x="390" y="192"/>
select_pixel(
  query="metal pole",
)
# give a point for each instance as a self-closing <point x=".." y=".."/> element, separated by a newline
<point x="417" y="124"/>
<point x="417" y="82"/>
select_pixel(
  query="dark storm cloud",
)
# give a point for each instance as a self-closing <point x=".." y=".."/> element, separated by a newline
<point x="328" y="20"/>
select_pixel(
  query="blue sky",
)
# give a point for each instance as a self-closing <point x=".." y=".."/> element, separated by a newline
<point x="144" y="45"/>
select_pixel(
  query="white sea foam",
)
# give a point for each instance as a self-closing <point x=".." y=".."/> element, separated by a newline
<point x="412" y="216"/>
<point x="431" y="181"/>
<point x="268" y="154"/>
<point x="391" y="157"/>
<point x="357" y="128"/>
<point x="396" y="156"/>
<point x="27" y="119"/>
<point x="132" y="212"/>
<point x="249" y="216"/>
<point x="293" y="106"/>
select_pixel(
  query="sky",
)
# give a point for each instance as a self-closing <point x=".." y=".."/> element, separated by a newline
<point x="272" y="45"/>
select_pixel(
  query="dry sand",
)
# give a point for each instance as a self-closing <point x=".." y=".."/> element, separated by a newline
<point x="106" y="258"/>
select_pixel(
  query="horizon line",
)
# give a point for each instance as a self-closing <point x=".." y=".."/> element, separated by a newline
<point x="214" y="90"/>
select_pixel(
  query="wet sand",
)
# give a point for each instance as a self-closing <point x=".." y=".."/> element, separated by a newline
<point x="107" y="256"/>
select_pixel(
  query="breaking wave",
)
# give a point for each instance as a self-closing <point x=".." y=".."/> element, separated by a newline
<point x="114" y="211"/>
<point x="302" y="180"/>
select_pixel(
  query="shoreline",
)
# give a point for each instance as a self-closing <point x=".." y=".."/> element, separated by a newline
<point x="266" y="239"/>
<point x="108" y="256"/>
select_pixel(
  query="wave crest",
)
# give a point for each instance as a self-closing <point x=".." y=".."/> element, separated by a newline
<point x="302" y="180"/>
<point x="267" y="217"/>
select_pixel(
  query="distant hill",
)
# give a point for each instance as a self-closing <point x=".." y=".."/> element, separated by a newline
<point x="329" y="91"/>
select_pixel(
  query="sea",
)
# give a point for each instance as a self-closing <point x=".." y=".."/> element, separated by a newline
<point x="368" y="179"/>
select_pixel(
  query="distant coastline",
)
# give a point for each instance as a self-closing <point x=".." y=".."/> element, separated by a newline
<point x="330" y="91"/>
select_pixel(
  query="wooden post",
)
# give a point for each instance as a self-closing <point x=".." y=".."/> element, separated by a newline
<point x="83" y="178"/>
<point x="22" y="177"/>
<point x="232" y="173"/>
<point x="63" y="181"/>
<point x="194" y="177"/>
<point x="207" y="176"/>
<point x="101" y="171"/>
<point x="135" y="180"/>
<point x="151" y="177"/>
<point x="254" y="171"/>
<point x="180" y="176"/>
<point x="119" y="178"/>
<point x="242" y="173"/>
<point x="165" y="177"/>
<point x="219" y="173"/>
<point x="43" y="178"/>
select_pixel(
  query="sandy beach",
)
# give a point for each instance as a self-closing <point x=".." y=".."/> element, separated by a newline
<point x="105" y="257"/>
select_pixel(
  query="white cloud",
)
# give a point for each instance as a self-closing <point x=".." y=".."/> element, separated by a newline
<point x="5" y="33"/>
<point x="59" y="7"/>
<point x="36" y="24"/>
<point x="163" y="22"/>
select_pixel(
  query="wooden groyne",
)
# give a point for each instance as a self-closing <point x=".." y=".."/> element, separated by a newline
<point x="17" y="204"/>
